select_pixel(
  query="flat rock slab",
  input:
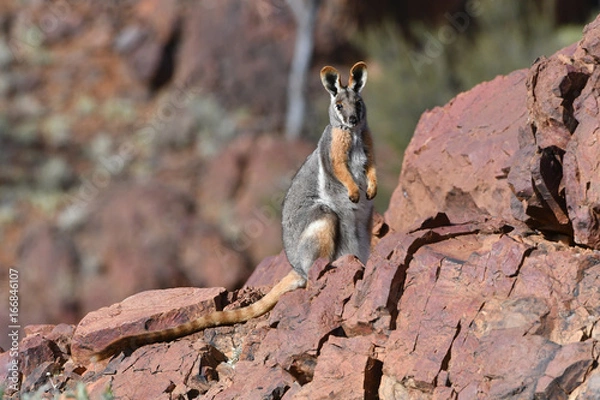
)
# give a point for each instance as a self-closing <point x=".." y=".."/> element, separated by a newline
<point x="146" y="311"/>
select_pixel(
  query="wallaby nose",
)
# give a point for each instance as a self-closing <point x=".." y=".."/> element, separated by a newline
<point x="353" y="120"/>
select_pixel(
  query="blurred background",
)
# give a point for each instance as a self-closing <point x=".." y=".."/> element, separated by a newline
<point x="149" y="144"/>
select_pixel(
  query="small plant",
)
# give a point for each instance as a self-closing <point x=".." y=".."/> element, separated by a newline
<point x="235" y="357"/>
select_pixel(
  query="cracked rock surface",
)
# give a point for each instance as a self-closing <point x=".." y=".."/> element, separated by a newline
<point x="484" y="286"/>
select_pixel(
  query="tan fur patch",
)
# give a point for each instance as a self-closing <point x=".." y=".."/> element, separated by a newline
<point x="370" y="169"/>
<point x="326" y="237"/>
<point x="322" y="231"/>
<point x="341" y="141"/>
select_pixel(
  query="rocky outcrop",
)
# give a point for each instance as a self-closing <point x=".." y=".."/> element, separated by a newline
<point x="484" y="287"/>
<point x="458" y="160"/>
<point x="525" y="156"/>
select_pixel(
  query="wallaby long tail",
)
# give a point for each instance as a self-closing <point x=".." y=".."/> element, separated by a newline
<point x="290" y="282"/>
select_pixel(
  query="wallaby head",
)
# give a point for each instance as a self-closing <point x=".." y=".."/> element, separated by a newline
<point x="347" y="109"/>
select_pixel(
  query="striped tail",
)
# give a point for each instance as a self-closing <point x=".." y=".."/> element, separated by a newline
<point x="290" y="282"/>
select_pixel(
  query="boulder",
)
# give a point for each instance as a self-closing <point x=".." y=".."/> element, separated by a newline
<point x="145" y="311"/>
<point x="458" y="160"/>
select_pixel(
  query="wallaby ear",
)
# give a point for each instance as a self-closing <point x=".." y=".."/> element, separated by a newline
<point x="331" y="80"/>
<point x="358" y="77"/>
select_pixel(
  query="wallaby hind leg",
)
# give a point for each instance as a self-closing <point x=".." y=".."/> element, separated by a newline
<point x="317" y="240"/>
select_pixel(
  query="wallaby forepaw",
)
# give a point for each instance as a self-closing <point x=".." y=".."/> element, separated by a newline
<point x="371" y="189"/>
<point x="354" y="196"/>
<point x="371" y="192"/>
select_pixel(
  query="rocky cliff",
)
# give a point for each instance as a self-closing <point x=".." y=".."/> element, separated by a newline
<point x="482" y="283"/>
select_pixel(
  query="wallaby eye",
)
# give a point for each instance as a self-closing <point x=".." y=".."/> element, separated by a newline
<point x="338" y="106"/>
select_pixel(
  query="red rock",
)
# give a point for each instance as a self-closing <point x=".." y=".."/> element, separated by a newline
<point x="549" y="83"/>
<point x="99" y="386"/>
<point x="342" y="370"/>
<point x="554" y="175"/>
<point x="469" y="303"/>
<point x="513" y="362"/>
<point x="536" y="173"/>
<point x="426" y="325"/>
<point x="152" y="35"/>
<point x="254" y="381"/>
<point x="41" y="329"/>
<point x="554" y="274"/>
<point x="380" y="228"/>
<point x="62" y="334"/>
<point x="138" y="237"/>
<point x="219" y="185"/>
<point x="200" y="48"/>
<point x="43" y="374"/>
<point x="444" y="393"/>
<point x="158" y="371"/>
<point x="580" y="167"/>
<point x="373" y="304"/>
<point x="305" y="318"/>
<point x="469" y="137"/>
<point x="590" y="43"/>
<point x="450" y="307"/>
<point x="145" y="311"/>
<point x="590" y="389"/>
<point x="160" y="15"/>
<point x="567" y="370"/>
<point x="522" y="314"/>
<point x="368" y="306"/>
<point x="34" y="350"/>
<point x="548" y="194"/>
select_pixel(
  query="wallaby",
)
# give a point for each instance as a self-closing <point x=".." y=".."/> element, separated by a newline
<point x="327" y="211"/>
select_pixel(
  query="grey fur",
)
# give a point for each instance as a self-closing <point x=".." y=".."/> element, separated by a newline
<point x="316" y="194"/>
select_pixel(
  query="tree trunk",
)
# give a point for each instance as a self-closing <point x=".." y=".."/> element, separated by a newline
<point x="305" y="13"/>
